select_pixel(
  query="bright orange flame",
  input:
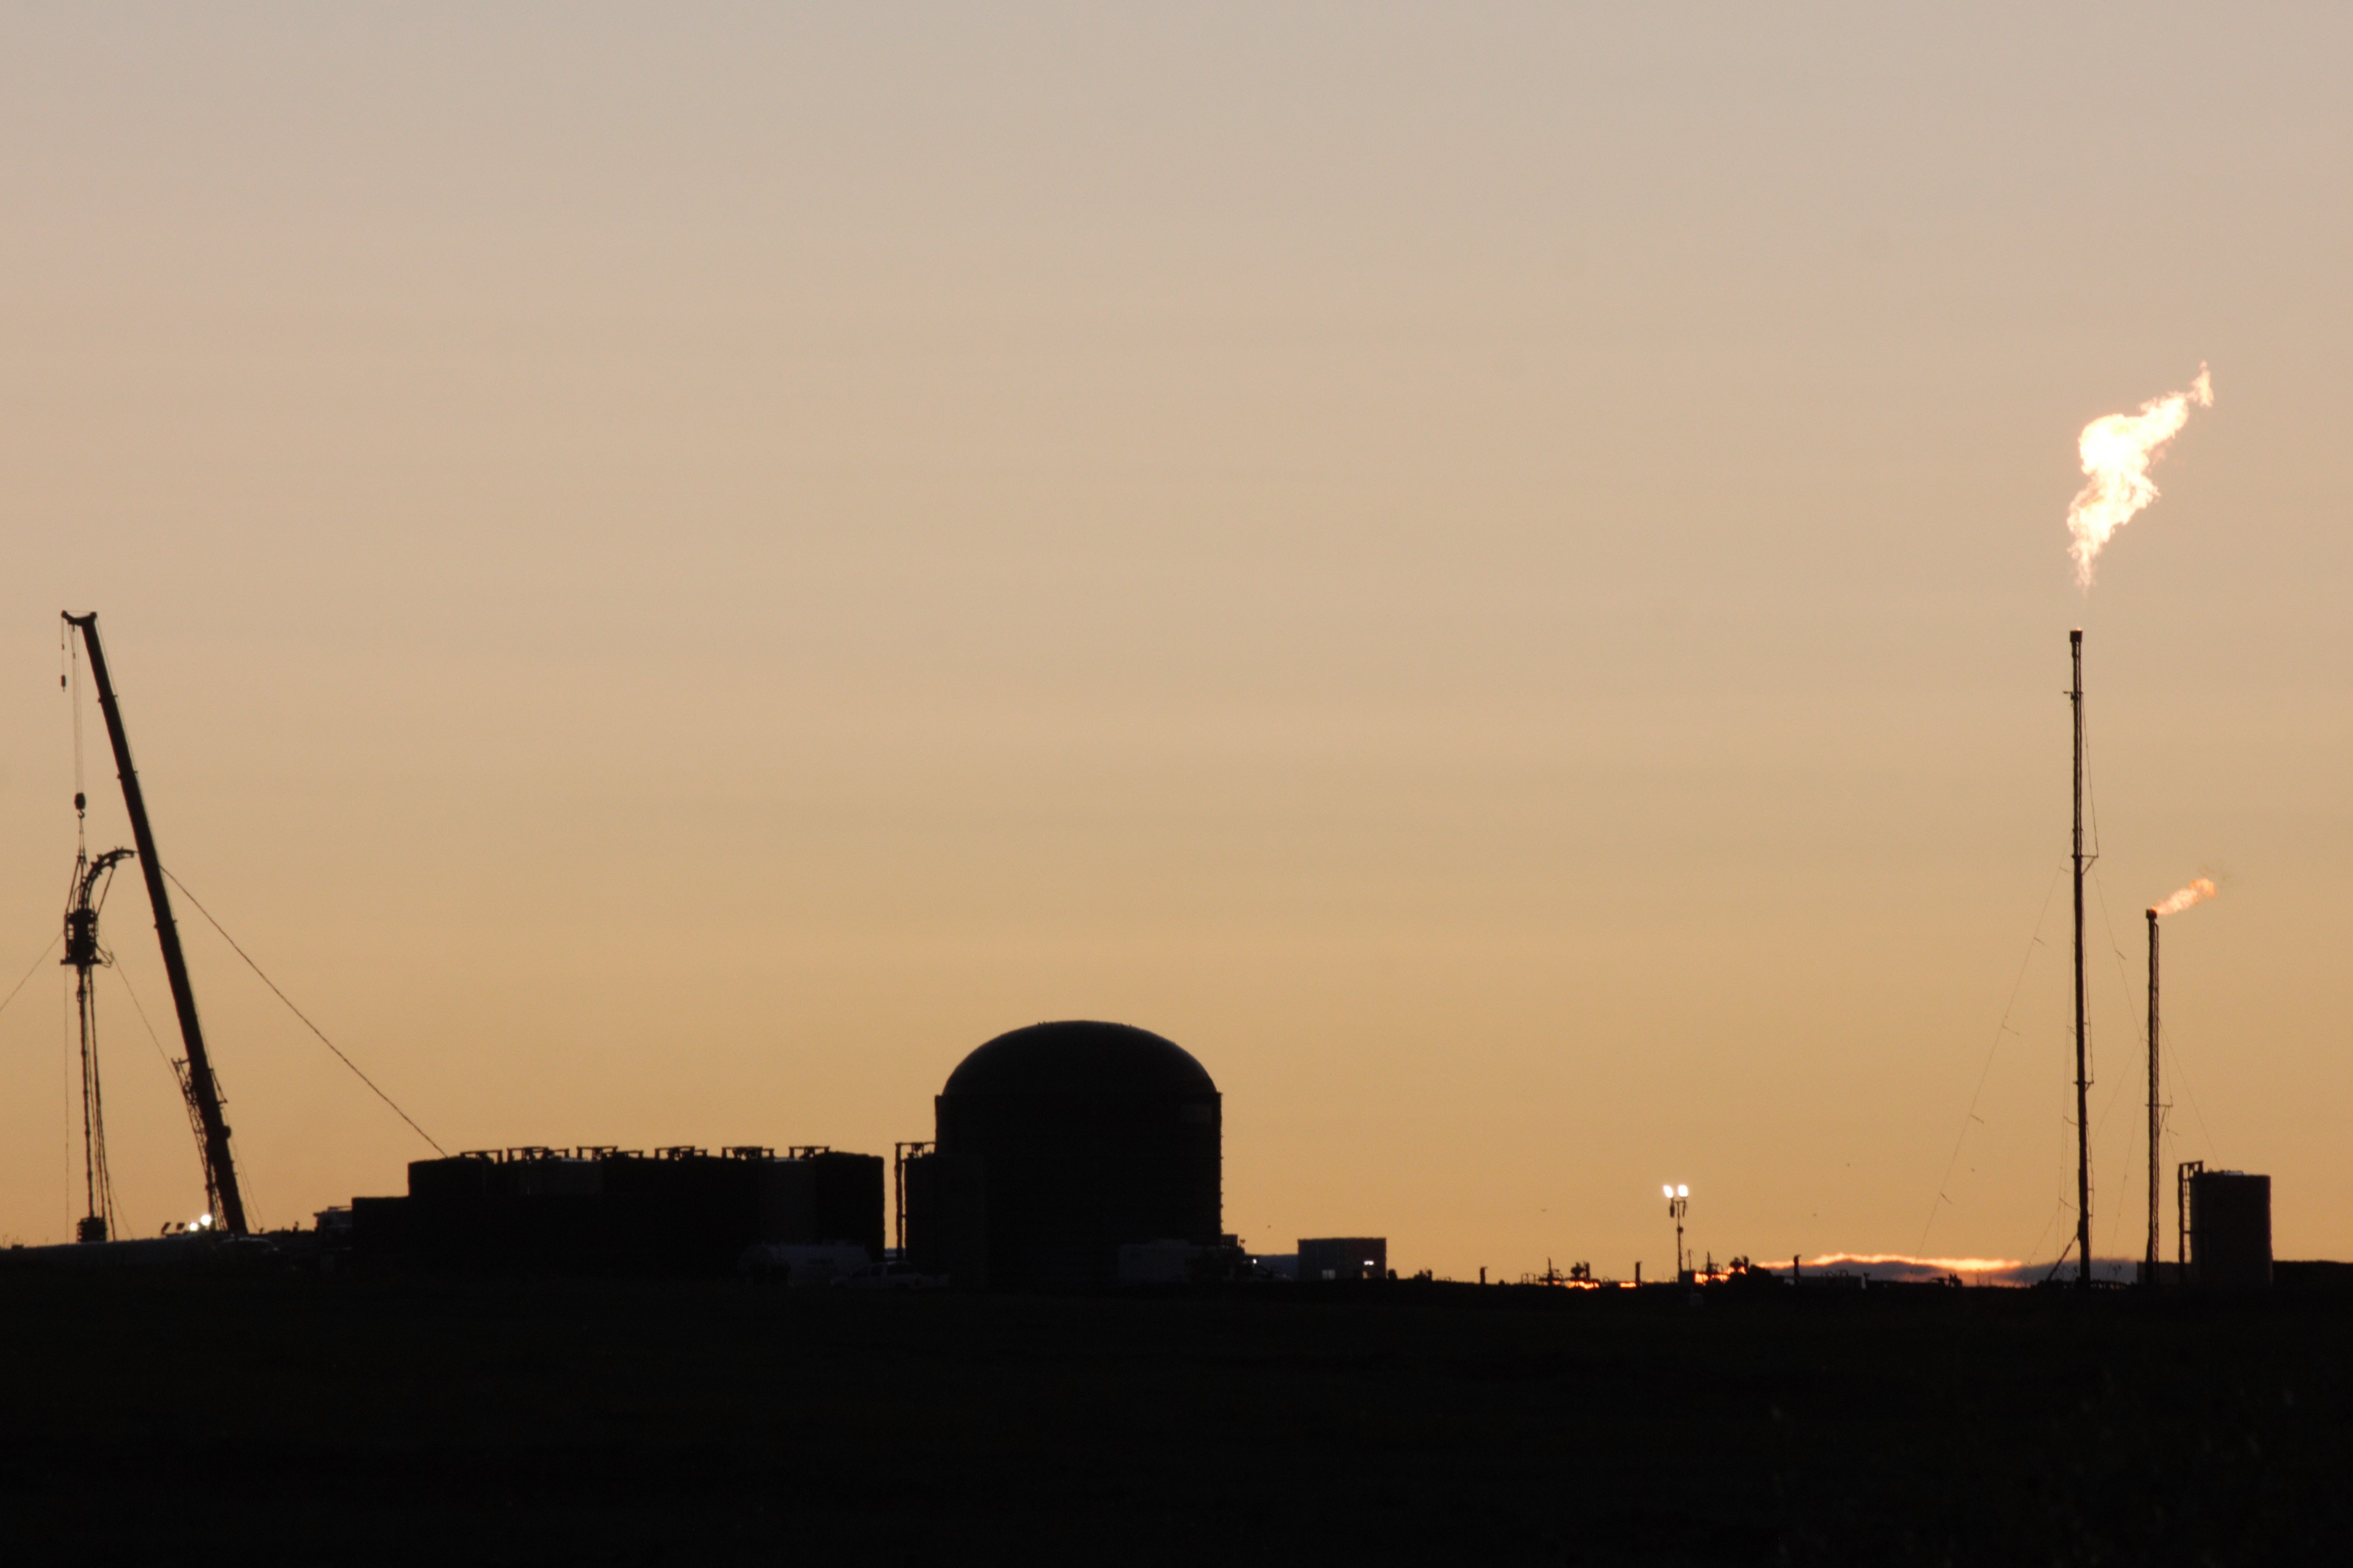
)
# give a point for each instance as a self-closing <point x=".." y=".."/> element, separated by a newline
<point x="2117" y="450"/>
<point x="2198" y="892"/>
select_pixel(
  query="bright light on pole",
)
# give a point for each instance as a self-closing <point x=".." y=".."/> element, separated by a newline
<point x="1678" y="1204"/>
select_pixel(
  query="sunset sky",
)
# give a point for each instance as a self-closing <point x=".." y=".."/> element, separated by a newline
<point x="1499" y="573"/>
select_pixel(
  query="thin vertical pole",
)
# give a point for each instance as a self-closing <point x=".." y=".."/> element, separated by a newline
<point x="2155" y="1131"/>
<point x="898" y="1197"/>
<point x="2083" y="1079"/>
<point x="89" y="1131"/>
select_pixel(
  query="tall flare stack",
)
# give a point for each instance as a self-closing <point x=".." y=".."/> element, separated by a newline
<point x="2083" y="1079"/>
<point x="2156" y="1129"/>
<point x="2117" y="450"/>
<point x="2199" y="889"/>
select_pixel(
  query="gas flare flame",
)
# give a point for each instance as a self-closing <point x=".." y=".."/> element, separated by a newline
<point x="2198" y="892"/>
<point x="2117" y="450"/>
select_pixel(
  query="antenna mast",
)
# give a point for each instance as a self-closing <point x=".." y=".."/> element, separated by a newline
<point x="2082" y="1081"/>
<point x="227" y="1204"/>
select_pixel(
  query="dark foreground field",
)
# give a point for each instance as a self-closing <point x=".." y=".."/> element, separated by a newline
<point x="163" y="1419"/>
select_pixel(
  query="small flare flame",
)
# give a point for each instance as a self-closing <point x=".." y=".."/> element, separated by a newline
<point x="2117" y="450"/>
<point x="2198" y="892"/>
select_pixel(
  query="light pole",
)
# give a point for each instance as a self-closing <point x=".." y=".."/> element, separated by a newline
<point x="1678" y="1206"/>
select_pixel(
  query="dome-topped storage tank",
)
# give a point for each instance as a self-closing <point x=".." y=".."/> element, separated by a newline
<point x="1060" y="1142"/>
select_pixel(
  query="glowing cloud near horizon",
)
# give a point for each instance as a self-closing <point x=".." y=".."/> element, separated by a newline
<point x="1941" y="1265"/>
<point x="2117" y="450"/>
<point x="2198" y="892"/>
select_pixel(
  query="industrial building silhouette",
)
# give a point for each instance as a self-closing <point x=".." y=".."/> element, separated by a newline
<point x="678" y="1211"/>
<point x="1055" y="1147"/>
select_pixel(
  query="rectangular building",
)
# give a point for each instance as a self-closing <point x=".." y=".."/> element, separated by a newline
<point x="1343" y="1258"/>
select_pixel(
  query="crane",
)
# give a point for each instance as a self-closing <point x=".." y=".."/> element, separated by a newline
<point x="226" y="1204"/>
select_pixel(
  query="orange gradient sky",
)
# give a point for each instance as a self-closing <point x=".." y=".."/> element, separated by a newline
<point x="1500" y="575"/>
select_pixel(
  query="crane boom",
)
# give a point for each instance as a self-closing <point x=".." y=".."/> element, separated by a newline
<point x="228" y="1204"/>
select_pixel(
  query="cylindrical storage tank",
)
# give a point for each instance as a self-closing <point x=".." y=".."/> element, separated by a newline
<point x="1076" y="1138"/>
<point x="2230" y="1229"/>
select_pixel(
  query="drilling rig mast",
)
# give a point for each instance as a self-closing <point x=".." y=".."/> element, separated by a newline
<point x="85" y="894"/>
<point x="226" y="1203"/>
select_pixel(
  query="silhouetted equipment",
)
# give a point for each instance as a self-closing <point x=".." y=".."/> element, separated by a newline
<point x="2228" y="1228"/>
<point x="1342" y="1257"/>
<point x="2182" y="1175"/>
<point x="196" y="1082"/>
<point x="85" y="894"/>
<point x="900" y="1155"/>
<point x="2082" y="1058"/>
<point x="599" y="1210"/>
<point x="1057" y="1145"/>
<point x="2156" y="1125"/>
<point x="946" y="1234"/>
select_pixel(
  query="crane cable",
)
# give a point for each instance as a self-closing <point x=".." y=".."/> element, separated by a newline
<point x="179" y="1071"/>
<point x="305" y="1018"/>
<point x="29" y="972"/>
<point x="2001" y="1029"/>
